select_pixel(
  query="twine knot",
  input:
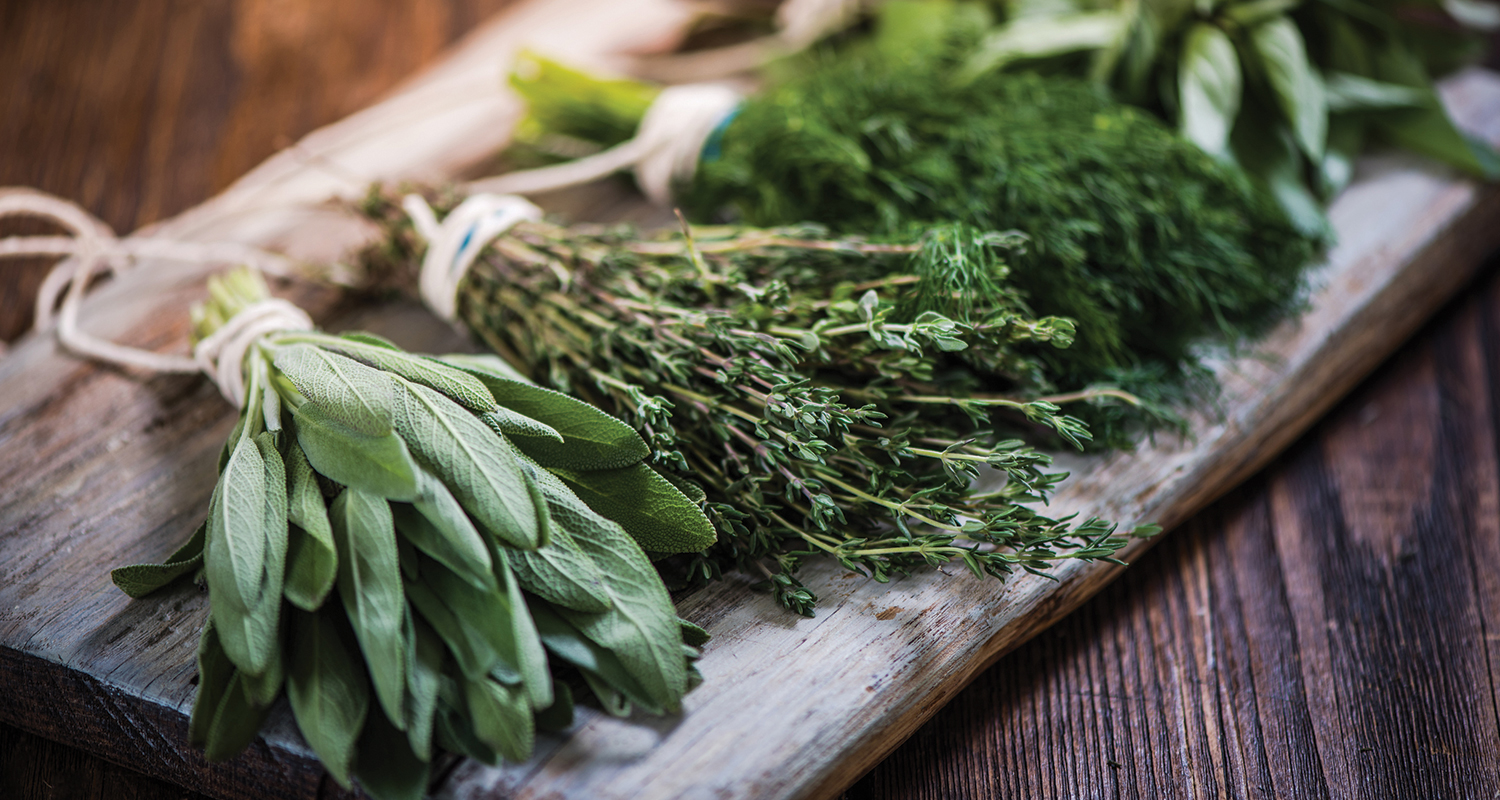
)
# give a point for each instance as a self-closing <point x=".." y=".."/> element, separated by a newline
<point x="453" y="245"/>
<point x="664" y="152"/>
<point x="93" y="249"/>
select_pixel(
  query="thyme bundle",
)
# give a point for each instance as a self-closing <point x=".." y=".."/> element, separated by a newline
<point x="464" y="518"/>
<point x="822" y="397"/>
<point x="1148" y="243"/>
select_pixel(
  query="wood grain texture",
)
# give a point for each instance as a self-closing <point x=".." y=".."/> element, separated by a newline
<point x="1325" y="631"/>
<point x="140" y="110"/>
<point x="872" y="611"/>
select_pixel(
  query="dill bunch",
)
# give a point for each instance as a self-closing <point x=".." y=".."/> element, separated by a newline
<point x="794" y="385"/>
<point x="1142" y="239"/>
<point x="1150" y="245"/>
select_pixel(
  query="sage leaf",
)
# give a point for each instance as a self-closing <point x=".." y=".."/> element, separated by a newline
<point x="235" y="723"/>
<point x="456" y="384"/>
<point x="501" y="717"/>
<point x="484" y="365"/>
<point x="1297" y="88"/>
<point x="658" y="516"/>
<point x="1208" y="88"/>
<point x="476" y="465"/>
<point x="385" y="764"/>
<point x="263" y="689"/>
<point x="352" y="393"/>
<point x="214" y="672"/>
<point x="235" y="552"/>
<point x="508" y="423"/>
<point x="370" y="587"/>
<point x="139" y="580"/>
<point x="531" y="656"/>
<point x="590" y="438"/>
<point x="477" y="624"/>
<point x="640" y="627"/>
<point x="312" y="559"/>
<point x="561" y="572"/>
<point x="692" y="634"/>
<point x="557" y="717"/>
<point x="424" y="667"/>
<point x="453" y="732"/>
<point x="245" y="552"/>
<point x="568" y="643"/>
<point x="380" y="465"/>
<point x="328" y="691"/>
<point x="437" y="526"/>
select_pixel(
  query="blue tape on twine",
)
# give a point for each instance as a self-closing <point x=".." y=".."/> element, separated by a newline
<point x="713" y="145"/>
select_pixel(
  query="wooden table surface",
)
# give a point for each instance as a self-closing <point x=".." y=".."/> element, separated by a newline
<point x="1331" y="629"/>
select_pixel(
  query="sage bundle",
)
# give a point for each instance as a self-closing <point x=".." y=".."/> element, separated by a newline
<point x="421" y="553"/>
<point x="821" y="396"/>
<point x="1150" y="245"/>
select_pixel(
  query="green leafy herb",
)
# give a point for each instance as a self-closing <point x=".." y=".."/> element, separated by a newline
<point x="818" y="396"/>
<point x="358" y="466"/>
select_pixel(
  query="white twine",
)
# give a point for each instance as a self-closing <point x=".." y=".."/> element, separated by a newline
<point x="93" y="249"/>
<point x="453" y="245"/>
<point x="221" y="355"/>
<point x="664" y="152"/>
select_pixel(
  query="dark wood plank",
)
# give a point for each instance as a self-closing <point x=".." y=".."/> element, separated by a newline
<point x="1326" y="631"/>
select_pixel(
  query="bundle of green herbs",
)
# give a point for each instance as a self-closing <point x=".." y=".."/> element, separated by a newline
<point x="464" y="519"/>
<point x="1289" y="91"/>
<point x="821" y="396"/>
<point x="1150" y="245"/>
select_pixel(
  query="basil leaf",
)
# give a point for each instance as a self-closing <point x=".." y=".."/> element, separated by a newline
<point x="1346" y="138"/>
<point x="312" y="560"/>
<point x="658" y="516"/>
<point x="424" y="667"/>
<point x="1208" y="88"/>
<point x="1297" y="88"/>
<point x="386" y="766"/>
<point x="475" y="464"/>
<point x="352" y="393"/>
<point x="328" y="691"/>
<point x="501" y="718"/>
<point x="590" y="438"/>
<point x="1428" y="129"/>
<point x="456" y="384"/>
<point x="1042" y="37"/>
<point x="1267" y="152"/>
<point x="379" y="465"/>
<point x="139" y="580"/>
<point x="1348" y="92"/>
<point x="370" y="587"/>
<point x="438" y="527"/>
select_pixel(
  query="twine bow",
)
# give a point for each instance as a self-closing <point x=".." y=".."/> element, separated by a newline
<point x="93" y="249"/>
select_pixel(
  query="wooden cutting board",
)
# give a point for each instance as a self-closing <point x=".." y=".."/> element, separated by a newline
<point x="101" y="468"/>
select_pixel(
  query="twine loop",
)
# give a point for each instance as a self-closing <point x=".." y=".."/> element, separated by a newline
<point x="664" y="152"/>
<point x="93" y="249"/>
<point x="454" y="244"/>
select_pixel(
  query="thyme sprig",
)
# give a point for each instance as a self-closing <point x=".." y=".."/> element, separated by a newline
<point x="822" y="396"/>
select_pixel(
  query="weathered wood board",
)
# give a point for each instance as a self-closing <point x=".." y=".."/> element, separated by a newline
<point x="99" y="468"/>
